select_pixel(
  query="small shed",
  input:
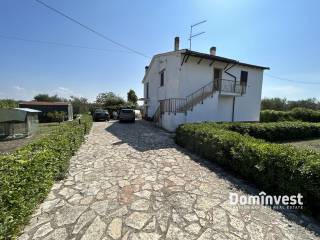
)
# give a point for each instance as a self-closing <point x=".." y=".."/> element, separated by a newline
<point x="49" y="107"/>
<point x="18" y="122"/>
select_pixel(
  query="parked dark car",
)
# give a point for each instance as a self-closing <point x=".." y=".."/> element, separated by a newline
<point x="127" y="115"/>
<point x="101" y="115"/>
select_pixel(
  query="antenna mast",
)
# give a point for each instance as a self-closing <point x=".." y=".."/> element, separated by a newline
<point x="194" y="35"/>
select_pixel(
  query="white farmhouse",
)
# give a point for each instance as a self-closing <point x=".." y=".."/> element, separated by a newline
<point x="185" y="86"/>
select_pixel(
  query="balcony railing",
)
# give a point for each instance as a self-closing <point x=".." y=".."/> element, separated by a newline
<point x="199" y="95"/>
<point x="172" y="105"/>
<point x="229" y="86"/>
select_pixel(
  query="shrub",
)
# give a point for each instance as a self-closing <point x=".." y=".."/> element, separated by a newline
<point x="300" y="114"/>
<point x="278" y="169"/>
<point x="276" y="131"/>
<point x="56" y="116"/>
<point x="27" y="175"/>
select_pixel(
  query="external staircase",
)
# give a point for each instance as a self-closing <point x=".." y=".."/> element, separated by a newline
<point x="182" y="105"/>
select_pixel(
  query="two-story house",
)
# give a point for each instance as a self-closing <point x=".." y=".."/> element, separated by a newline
<point x="184" y="86"/>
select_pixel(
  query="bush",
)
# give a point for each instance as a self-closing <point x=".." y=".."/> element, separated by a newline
<point x="276" y="131"/>
<point x="56" y="116"/>
<point x="278" y="169"/>
<point x="26" y="176"/>
<point x="301" y="114"/>
<point x="8" y="103"/>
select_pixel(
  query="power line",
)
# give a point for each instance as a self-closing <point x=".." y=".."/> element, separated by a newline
<point x="289" y="80"/>
<point x="61" y="44"/>
<point x="92" y="30"/>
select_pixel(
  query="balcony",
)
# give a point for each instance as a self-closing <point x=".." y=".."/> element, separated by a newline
<point x="229" y="87"/>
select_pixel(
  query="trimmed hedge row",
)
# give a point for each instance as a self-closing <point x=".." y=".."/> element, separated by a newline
<point x="27" y="175"/>
<point x="277" y="131"/>
<point x="276" y="168"/>
<point x="300" y="114"/>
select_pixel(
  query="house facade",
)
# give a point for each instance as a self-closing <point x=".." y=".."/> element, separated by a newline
<point x="184" y="86"/>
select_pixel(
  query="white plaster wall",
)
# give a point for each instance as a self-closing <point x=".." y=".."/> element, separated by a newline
<point x="153" y="88"/>
<point x="171" y="121"/>
<point x="170" y="65"/>
<point x="204" y="112"/>
<point x="193" y="76"/>
<point x="247" y="107"/>
<point x="225" y="104"/>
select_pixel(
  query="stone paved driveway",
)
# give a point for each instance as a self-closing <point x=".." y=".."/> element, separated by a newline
<point x="130" y="181"/>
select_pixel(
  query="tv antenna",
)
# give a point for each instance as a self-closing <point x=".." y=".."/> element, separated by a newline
<point x="195" y="35"/>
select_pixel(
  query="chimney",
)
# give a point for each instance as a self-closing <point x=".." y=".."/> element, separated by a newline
<point x="176" y="43"/>
<point x="146" y="68"/>
<point x="213" y="51"/>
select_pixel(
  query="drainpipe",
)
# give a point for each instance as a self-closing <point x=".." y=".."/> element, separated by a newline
<point x="235" y="79"/>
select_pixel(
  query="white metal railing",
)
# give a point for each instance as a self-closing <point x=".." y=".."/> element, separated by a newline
<point x="229" y="86"/>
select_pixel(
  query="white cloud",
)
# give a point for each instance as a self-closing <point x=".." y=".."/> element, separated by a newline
<point x="64" y="92"/>
<point x="18" y="88"/>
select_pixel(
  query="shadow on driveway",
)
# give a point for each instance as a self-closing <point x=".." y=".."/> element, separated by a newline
<point x="144" y="136"/>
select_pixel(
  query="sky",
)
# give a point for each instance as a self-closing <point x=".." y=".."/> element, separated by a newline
<point x="283" y="35"/>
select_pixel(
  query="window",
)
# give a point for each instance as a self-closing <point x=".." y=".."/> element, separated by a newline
<point x="161" y="78"/>
<point x="244" y="77"/>
<point x="147" y="90"/>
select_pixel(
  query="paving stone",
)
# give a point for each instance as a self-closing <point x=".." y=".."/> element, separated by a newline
<point x="115" y="227"/>
<point x="95" y="230"/>
<point x="205" y="203"/>
<point x="47" y="206"/>
<point x="255" y="231"/>
<point x="182" y="200"/>
<point x="140" y="205"/>
<point x="175" y="233"/>
<point x="59" y="233"/>
<point x="42" y="231"/>
<point x="207" y="234"/>
<point x="132" y="182"/>
<point x="151" y="226"/>
<point x="67" y="192"/>
<point x="236" y="223"/>
<point x="68" y="214"/>
<point x="100" y="207"/>
<point x="145" y="236"/>
<point x="137" y="220"/>
<point x="143" y="194"/>
<point x="83" y="220"/>
<point x="191" y="217"/>
<point x="193" y="228"/>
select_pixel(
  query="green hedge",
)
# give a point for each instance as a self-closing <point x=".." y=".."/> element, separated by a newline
<point x="301" y="114"/>
<point x="276" y="168"/>
<point x="27" y="175"/>
<point x="276" y="131"/>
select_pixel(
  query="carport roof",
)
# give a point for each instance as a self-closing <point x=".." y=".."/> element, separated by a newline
<point x="15" y="114"/>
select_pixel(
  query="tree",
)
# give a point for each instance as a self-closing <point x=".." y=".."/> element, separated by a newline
<point x="46" y="98"/>
<point x="109" y="99"/>
<point x="311" y="103"/>
<point x="279" y="104"/>
<point x="79" y="104"/>
<point x="8" y="103"/>
<point x="132" y="97"/>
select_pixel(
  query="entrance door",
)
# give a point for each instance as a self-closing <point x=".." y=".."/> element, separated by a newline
<point x="217" y="75"/>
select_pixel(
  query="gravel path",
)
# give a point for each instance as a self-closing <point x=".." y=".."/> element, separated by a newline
<point x="130" y="181"/>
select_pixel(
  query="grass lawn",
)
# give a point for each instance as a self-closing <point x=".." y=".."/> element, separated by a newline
<point x="310" y="144"/>
<point x="11" y="145"/>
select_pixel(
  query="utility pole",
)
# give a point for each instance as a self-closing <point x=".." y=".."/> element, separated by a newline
<point x="191" y="34"/>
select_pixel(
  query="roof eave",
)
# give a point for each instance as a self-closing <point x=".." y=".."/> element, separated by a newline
<point x="221" y="59"/>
